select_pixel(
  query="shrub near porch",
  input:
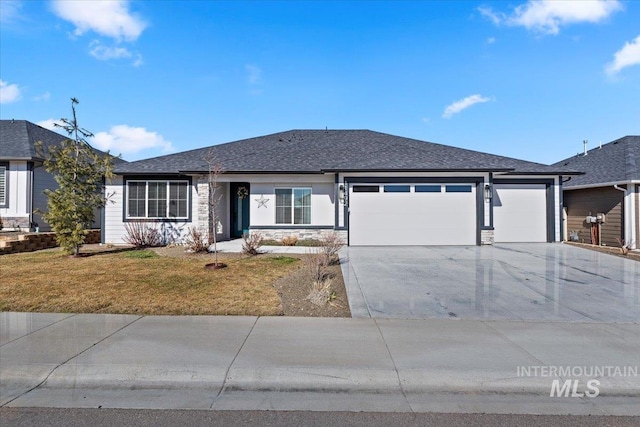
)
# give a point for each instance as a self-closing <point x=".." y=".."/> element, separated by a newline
<point x="121" y="283"/>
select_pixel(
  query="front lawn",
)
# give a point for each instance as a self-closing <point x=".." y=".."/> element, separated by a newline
<point x="141" y="282"/>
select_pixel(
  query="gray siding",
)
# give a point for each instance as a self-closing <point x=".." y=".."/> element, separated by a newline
<point x="42" y="180"/>
<point x="580" y="203"/>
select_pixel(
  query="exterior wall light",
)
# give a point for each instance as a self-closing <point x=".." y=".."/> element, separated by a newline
<point x="488" y="193"/>
<point x="341" y="193"/>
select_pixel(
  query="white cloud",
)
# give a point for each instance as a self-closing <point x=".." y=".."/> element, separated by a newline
<point x="43" y="97"/>
<point x="491" y="40"/>
<point x="627" y="56"/>
<point x="105" y="53"/>
<point x="10" y="11"/>
<point x="110" y="18"/>
<point x="50" y="124"/>
<point x="126" y="139"/>
<point x="9" y="92"/>
<point x="108" y="53"/>
<point x="463" y="104"/>
<point x="547" y="16"/>
<point x="254" y="74"/>
<point x="492" y="16"/>
<point x="138" y="61"/>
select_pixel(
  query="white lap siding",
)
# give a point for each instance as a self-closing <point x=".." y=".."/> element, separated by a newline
<point x="115" y="212"/>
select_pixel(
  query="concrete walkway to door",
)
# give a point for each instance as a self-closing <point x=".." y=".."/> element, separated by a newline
<point x="546" y="281"/>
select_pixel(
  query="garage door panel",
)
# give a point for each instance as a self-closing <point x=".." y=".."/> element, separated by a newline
<point x="520" y="213"/>
<point x="425" y="218"/>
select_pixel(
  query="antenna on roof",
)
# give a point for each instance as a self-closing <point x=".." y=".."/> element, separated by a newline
<point x="585" y="142"/>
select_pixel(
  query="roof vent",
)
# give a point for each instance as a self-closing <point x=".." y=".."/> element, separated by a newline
<point x="585" y="142"/>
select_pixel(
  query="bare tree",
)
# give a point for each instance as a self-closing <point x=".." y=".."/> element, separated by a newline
<point x="215" y="169"/>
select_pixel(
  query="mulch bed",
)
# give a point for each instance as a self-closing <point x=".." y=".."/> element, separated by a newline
<point x="635" y="256"/>
<point x="294" y="289"/>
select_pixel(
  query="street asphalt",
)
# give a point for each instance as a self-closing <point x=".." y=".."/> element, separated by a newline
<point x="320" y="364"/>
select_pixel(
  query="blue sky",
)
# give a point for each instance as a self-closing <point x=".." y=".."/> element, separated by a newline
<point x="525" y="79"/>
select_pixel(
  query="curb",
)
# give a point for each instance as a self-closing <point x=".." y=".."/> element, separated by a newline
<point x="280" y="379"/>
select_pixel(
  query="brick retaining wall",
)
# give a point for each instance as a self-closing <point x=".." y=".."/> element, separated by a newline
<point x="36" y="241"/>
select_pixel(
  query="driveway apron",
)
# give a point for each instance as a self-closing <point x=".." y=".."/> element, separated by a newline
<point x="551" y="282"/>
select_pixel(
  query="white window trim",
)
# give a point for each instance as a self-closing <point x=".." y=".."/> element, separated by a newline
<point x="275" y="204"/>
<point x="146" y="198"/>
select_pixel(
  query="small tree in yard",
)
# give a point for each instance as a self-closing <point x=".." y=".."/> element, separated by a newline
<point x="79" y="172"/>
<point x="215" y="170"/>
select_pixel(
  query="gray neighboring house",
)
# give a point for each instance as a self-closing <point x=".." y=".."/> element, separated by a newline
<point x="371" y="187"/>
<point x="610" y="185"/>
<point x="23" y="178"/>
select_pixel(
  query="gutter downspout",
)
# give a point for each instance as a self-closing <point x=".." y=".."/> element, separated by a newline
<point x="629" y="217"/>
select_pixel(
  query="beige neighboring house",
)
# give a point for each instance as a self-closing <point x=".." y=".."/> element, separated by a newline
<point x="610" y="186"/>
<point x="23" y="178"/>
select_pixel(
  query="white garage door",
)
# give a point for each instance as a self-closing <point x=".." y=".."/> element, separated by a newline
<point x="412" y="214"/>
<point x="520" y="213"/>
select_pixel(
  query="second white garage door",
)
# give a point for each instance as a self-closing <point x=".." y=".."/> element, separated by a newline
<point x="520" y="213"/>
<point x="412" y="214"/>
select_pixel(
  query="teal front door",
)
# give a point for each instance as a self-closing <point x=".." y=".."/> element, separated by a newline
<point x="239" y="208"/>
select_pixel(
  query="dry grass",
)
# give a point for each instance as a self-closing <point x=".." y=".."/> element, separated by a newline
<point x="118" y="283"/>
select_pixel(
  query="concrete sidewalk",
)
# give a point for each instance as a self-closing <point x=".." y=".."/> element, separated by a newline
<point x="196" y="362"/>
<point x="235" y="246"/>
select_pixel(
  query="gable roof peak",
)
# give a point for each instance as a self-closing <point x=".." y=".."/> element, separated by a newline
<point x="18" y="140"/>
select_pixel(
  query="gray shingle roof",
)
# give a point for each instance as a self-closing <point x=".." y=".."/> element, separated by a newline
<point x="616" y="162"/>
<point x="18" y="140"/>
<point x="316" y="151"/>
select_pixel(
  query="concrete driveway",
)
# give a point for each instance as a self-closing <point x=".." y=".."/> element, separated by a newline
<point x="550" y="282"/>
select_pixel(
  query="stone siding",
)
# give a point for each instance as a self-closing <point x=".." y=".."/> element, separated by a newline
<point x="486" y="237"/>
<point x="202" y="217"/>
<point x="15" y="223"/>
<point x="301" y="233"/>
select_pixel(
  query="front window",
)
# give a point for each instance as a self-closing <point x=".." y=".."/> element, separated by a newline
<point x="293" y="206"/>
<point x="157" y="199"/>
<point x="3" y="185"/>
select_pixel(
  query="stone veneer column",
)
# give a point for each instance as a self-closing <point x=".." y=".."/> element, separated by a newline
<point x="202" y="218"/>
<point x="486" y="237"/>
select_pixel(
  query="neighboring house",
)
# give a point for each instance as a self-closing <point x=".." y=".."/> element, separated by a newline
<point x="23" y="178"/>
<point x="373" y="188"/>
<point x="610" y="186"/>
